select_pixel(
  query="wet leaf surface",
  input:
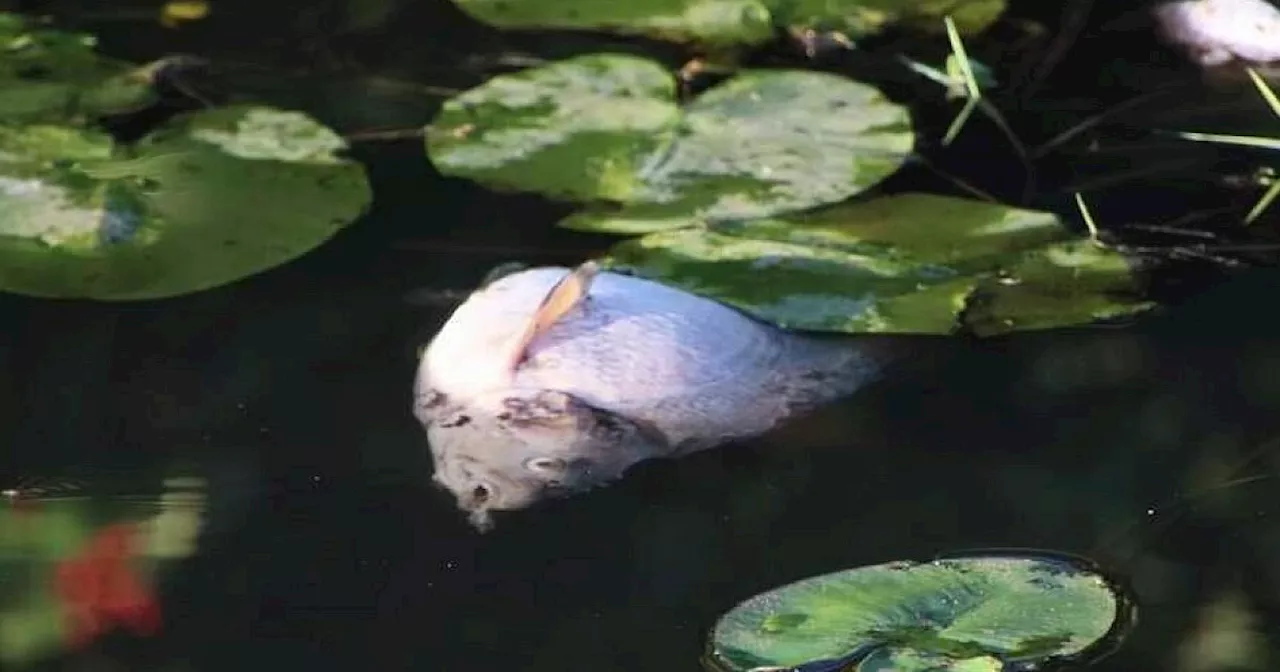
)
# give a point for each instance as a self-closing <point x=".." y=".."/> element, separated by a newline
<point x="969" y="613"/>
<point x="49" y="76"/>
<point x="908" y="263"/>
<point x="208" y="199"/>
<point x="728" y="22"/>
<point x="605" y="130"/>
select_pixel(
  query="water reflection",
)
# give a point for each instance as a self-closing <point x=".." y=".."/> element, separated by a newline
<point x="81" y="565"/>
<point x="314" y="538"/>
<point x="320" y="540"/>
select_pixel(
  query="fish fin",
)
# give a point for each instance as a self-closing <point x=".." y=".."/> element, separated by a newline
<point x="570" y="291"/>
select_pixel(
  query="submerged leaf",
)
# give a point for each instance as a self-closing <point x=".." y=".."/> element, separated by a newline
<point x="968" y="613"/>
<point x="605" y="129"/>
<point x="909" y="263"/>
<point x="208" y="199"/>
<point x="726" y="22"/>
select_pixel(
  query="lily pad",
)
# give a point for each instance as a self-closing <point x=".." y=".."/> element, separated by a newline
<point x="727" y="22"/>
<point x="606" y="130"/>
<point x="979" y="612"/>
<point x="209" y="198"/>
<point x="906" y="263"/>
<point x="51" y="76"/>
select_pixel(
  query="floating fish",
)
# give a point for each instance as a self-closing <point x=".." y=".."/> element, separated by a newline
<point x="1215" y="32"/>
<point x="550" y="381"/>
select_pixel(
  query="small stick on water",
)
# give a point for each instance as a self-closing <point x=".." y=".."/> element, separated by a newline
<point x="387" y="135"/>
<point x="1091" y="122"/>
<point x="964" y="186"/>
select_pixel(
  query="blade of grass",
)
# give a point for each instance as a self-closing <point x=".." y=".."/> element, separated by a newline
<point x="1088" y="219"/>
<point x="1263" y="203"/>
<point x="1227" y="139"/>
<point x="1273" y="101"/>
<point x="973" y="91"/>
<point x="1267" y="93"/>
<point x="970" y="82"/>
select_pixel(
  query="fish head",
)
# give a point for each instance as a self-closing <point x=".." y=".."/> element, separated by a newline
<point x="510" y="449"/>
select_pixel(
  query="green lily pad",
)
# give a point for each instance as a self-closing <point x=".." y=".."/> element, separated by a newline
<point x="971" y="614"/>
<point x="50" y="76"/>
<point x="727" y="22"/>
<point x="606" y="130"/>
<point x="907" y="263"/>
<point x="207" y="199"/>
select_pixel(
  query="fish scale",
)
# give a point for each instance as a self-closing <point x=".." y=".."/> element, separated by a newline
<point x="554" y="380"/>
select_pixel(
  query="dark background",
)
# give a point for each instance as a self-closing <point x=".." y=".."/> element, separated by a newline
<point x="328" y="549"/>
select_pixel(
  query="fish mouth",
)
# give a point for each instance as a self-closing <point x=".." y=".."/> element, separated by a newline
<point x="480" y="492"/>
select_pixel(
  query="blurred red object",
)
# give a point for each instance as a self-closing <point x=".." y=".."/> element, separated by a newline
<point x="99" y="589"/>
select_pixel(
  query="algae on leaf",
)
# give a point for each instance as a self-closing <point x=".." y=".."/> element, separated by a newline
<point x="732" y="22"/>
<point x="907" y="263"/>
<point x="958" y="614"/>
<point x="210" y="198"/>
<point x="605" y="130"/>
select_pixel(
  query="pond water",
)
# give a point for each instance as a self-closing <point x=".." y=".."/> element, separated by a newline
<point x="1150" y="449"/>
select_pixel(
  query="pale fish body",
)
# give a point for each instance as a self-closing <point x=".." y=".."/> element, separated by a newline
<point x="1215" y="32"/>
<point x="551" y="380"/>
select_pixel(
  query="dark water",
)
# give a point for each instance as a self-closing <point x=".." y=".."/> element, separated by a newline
<point x="1151" y="449"/>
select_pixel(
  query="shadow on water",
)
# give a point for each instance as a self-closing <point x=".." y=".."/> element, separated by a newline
<point x="323" y="544"/>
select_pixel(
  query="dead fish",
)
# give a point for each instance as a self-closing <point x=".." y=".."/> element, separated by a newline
<point x="1215" y="32"/>
<point x="550" y="381"/>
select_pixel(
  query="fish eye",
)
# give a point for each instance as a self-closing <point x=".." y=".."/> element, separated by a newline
<point x="544" y="464"/>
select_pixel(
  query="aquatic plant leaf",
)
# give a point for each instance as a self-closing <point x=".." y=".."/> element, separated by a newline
<point x="210" y="198"/>
<point x="49" y="76"/>
<point x="606" y="130"/>
<point x="707" y="21"/>
<point x="967" y="613"/>
<point x="1059" y="285"/>
<point x="30" y="633"/>
<point x="859" y="18"/>
<point x="730" y="22"/>
<point x="906" y="263"/>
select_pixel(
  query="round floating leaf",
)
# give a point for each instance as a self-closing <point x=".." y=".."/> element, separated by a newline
<point x="208" y="199"/>
<point x="49" y="76"/>
<point x="859" y="18"/>
<point x="958" y="614"/>
<point x="1056" y="286"/>
<point x="908" y="263"/>
<point x="725" y="22"/>
<point x="606" y="129"/>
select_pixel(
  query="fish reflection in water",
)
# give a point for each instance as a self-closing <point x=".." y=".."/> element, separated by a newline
<point x="99" y="588"/>
<point x="92" y="562"/>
